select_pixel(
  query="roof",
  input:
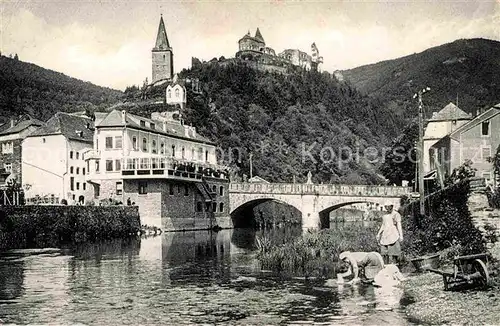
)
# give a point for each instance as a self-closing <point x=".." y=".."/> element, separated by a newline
<point x="488" y="114"/>
<point x="257" y="179"/>
<point x="173" y="128"/>
<point x="161" y="38"/>
<point x="70" y="126"/>
<point x="258" y="35"/>
<point x="450" y="112"/>
<point x="21" y="126"/>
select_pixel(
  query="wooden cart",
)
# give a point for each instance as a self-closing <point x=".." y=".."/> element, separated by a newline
<point x="468" y="270"/>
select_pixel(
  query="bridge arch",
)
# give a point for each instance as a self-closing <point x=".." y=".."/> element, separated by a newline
<point x="242" y="215"/>
<point x="324" y="215"/>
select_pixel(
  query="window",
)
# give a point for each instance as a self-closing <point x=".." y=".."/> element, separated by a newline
<point x="118" y="142"/>
<point x="144" y="144"/>
<point x="152" y="126"/>
<point x="109" y="165"/>
<point x="78" y="186"/>
<point x="8" y="167"/>
<point x="192" y="153"/>
<point x="134" y="143"/>
<point x="485" y="152"/>
<point x="485" y="128"/>
<point x="43" y="140"/>
<point x="71" y="154"/>
<point x="200" y="154"/>
<point x="214" y="207"/>
<point x="83" y="171"/>
<point x="183" y="153"/>
<point x="487" y="176"/>
<point x="171" y="189"/>
<point x="214" y="189"/>
<point x="143" y="187"/>
<point x="77" y="155"/>
<point x="71" y="169"/>
<point x="77" y="170"/>
<point x="206" y="156"/>
<point x="7" y="147"/>
<point x="97" y="144"/>
<point x="169" y="93"/>
<point x="97" y="166"/>
<point x="173" y="150"/>
<point x="84" y="186"/>
<point x="186" y="190"/>
<point x="109" y="142"/>
<point x="221" y="190"/>
<point x="221" y="207"/>
<point x="119" y="188"/>
<point x="143" y="123"/>
<point x="177" y="93"/>
<point x="72" y="183"/>
<point x="179" y="189"/>
<point x="199" y="206"/>
<point x="153" y="147"/>
<point x="162" y="148"/>
<point x="118" y="165"/>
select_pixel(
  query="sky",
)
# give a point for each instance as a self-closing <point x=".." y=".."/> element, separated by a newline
<point x="109" y="42"/>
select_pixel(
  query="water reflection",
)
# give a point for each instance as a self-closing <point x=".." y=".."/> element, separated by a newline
<point x="176" y="278"/>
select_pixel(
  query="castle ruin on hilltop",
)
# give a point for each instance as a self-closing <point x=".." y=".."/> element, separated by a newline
<point x="254" y="50"/>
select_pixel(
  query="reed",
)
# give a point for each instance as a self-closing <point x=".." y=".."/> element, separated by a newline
<point x="315" y="254"/>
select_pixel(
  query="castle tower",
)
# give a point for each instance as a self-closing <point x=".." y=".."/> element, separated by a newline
<point x="162" y="55"/>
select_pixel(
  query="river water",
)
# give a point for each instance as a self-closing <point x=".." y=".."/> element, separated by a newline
<point x="177" y="278"/>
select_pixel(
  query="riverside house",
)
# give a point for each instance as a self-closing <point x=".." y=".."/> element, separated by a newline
<point x="476" y="140"/>
<point x="53" y="166"/>
<point x="10" y="147"/>
<point x="161" y="165"/>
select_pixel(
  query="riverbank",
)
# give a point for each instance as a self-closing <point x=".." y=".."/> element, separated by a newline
<point x="432" y="305"/>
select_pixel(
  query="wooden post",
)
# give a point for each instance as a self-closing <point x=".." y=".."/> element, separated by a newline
<point x="420" y="153"/>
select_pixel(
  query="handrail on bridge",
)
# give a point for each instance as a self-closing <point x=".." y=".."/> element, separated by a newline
<point x="319" y="189"/>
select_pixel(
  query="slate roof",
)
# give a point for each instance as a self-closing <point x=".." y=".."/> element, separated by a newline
<point x="161" y="38"/>
<point x="450" y="112"/>
<point x="175" y="129"/>
<point x="71" y="126"/>
<point x="21" y="126"/>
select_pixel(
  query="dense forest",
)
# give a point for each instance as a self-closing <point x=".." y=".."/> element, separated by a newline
<point x="28" y="88"/>
<point x="466" y="70"/>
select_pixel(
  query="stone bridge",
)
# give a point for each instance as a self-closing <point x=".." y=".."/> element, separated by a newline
<point x="314" y="201"/>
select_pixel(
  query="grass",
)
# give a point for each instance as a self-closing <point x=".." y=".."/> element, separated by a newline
<point x="315" y="254"/>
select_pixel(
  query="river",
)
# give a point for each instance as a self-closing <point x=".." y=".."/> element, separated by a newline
<point x="197" y="277"/>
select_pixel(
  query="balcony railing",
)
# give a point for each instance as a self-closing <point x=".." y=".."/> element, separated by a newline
<point x="171" y="168"/>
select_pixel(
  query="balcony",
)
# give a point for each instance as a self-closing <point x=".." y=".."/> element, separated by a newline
<point x="162" y="167"/>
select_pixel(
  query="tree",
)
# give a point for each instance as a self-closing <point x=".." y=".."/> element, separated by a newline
<point x="400" y="161"/>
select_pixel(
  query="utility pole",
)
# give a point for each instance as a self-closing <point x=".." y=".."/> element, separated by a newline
<point x="420" y="149"/>
<point x="251" y="167"/>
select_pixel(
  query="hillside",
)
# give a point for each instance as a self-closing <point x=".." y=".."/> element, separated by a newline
<point x="467" y="68"/>
<point x="28" y="88"/>
<point x="283" y="118"/>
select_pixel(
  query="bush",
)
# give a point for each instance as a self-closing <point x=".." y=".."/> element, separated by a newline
<point x="448" y="224"/>
<point x="34" y="226"/>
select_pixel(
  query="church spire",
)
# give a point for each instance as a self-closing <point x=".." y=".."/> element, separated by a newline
<point x="161" y="38"/>
<point x="258" y="35"/>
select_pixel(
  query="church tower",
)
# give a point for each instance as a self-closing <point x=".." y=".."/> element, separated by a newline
<point x="162" y="55"/>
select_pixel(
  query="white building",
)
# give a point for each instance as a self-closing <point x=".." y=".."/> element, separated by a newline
<point x="160" y="164"/>
<point x="176" y="93"/>
<point x="442" y="123"/>
<point x="53" y="159"/>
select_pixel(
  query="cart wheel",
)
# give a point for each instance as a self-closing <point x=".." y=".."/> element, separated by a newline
<point x="480" y="267"/>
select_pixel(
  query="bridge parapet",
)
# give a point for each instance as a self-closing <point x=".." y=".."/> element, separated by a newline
<point x="319" y="189"/>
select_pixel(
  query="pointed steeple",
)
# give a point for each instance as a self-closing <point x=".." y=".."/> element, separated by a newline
<point x="161" y="38"/>
<point x="258" y="35"/>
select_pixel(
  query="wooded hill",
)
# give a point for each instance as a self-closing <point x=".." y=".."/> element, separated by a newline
<point x="468" y="69"/>
<point x="28" y="88"/>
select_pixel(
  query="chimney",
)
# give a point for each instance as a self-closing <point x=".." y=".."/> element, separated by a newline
<point x="124" y="117"/>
